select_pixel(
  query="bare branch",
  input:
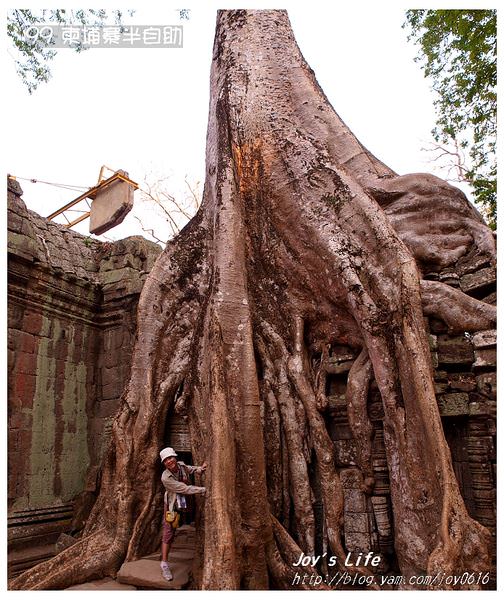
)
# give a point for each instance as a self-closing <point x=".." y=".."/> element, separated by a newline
<point x="150" y="232"/>
<point x="456" y="160"/>
<point x="194" y="195"/>
<point x="177" y="209"/>
<point x="173" y="224"/>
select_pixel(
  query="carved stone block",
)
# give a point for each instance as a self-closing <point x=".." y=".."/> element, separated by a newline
<point x="351" y="479"/>
<point x="485" y="339"/>
<point x="455" y="350"/>
<point x="357" y="542"/>
<point x="485" y="358"/>
<point x="382" y="516"/>
<point x="471" y="262"/>
<point x="344" y="453"/>
<point x="481" y="407"/>
<point x="462" y="382"/>
<point x="450" y="278"/>
<point x="337" y="367"/>
<point x="474" y="282"/>
<point x="341" y="353"/>
<point x="487" y="384"/>
<point x="453" y="404"/>
<point x="432" y="341"/>
<point x="491" y="298"/>
<point x="355" y="500"/>
<point x="356" y="522"/>
<point x="375" y="410"/>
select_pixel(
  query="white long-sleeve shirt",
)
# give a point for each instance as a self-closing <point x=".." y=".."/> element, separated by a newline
<point x="174" y="486"/>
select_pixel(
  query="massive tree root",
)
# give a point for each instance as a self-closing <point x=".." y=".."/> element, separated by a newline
<point x="359" y="378"/>
<point x="304" y="239"/>
<point x="459" y="311"/>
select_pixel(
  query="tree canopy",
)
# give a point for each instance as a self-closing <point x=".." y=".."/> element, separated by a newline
<point x="458" y="53"/>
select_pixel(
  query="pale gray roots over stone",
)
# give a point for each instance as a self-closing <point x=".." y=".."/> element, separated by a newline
<point x="304" y="239"/>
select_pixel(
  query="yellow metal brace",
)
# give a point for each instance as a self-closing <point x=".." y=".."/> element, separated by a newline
<point x="91" y="193"/>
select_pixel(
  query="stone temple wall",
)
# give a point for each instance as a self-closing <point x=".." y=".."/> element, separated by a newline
<point x="71" y="326"/>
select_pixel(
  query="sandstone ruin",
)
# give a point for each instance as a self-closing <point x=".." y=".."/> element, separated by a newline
<point x="323" y="331"/>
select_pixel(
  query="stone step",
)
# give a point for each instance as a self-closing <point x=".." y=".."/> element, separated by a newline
<point x="146" y="572"/>
<point x="103" y="584"/>
<point x="20" y="560"/>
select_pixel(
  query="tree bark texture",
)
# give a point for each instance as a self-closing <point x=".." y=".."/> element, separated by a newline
<point x="304" y="239"/>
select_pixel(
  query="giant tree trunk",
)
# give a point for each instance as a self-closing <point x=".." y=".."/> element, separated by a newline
<point x="304" y="239"/>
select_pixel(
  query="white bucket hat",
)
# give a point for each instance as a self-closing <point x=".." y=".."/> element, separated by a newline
<point x="166" y="453"/>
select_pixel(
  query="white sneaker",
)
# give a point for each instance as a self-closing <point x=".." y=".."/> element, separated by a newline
<point x="165" y="570"/>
